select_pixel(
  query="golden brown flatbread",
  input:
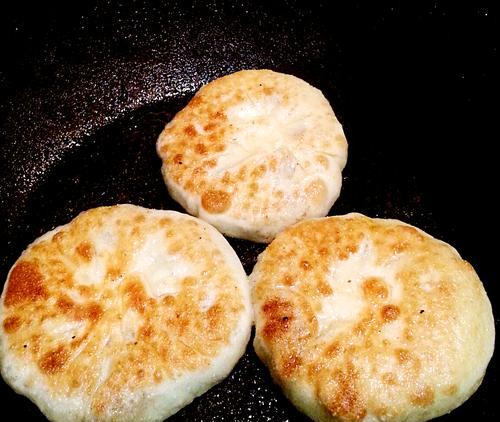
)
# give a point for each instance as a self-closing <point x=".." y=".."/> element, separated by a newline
<point x="123" y="314"/>
<point x="254" y="152"/>
<point x="362" y="319"/>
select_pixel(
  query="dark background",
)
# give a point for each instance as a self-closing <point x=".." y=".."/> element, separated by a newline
<point x="86" y="88"/>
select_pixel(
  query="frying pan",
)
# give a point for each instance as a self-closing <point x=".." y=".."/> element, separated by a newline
<point x="85" y="90"/>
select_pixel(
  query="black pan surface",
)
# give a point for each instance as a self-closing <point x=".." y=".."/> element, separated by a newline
<point x="85" y="90"/>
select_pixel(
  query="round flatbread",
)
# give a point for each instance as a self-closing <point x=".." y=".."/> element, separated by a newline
<point x="124" y="314"/>
<point x="254" y="152"/>
<point x="362" y="319"/>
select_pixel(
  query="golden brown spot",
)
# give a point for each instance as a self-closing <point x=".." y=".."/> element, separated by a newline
<point x="113" y="273"/>
<point x="93" y="312"/>
<point x="408" y="333"/>
<point x="197" y="100"/>
<point x="322" y="160"/>
<point x="450" y="390"/>
<point x="199" y="171"/>
<point x="219" y="148"/>
<point x="389" y="378"/>
<point x="11" y="324"/>
<point x="139" y="374"/>
<point x="259" y="170"/>
<point x="175" y="246"/>
<point x="226" y="178"/>
<point x="324" y="288"/>
<point x="346" y="402"/>
<point x="99" y="406"/>
<point x="136" y="296"/>
<point x="85" y="291"/>
<point x="279" y="194"/>
<point x="53" y="361"/>
<point x="242" y="172"/>
<point x="192" y="105"/>
<point x="200" y="149"/>
<point x="288" y="280"/>
<point x="25" y="284"/>
<point x="177" y="159"/>
<point x="267" y="90"/>
<point x="211" y="163"/>
<point x="209" y="127"/>
<point x="219" y="115"/>
<point x="399" y="247"/>
<point x="85" y="250"/>
<point x="139" y="218"/>
<point x="305" y="265"/>
<point x="238" y="97"/>
<point x="168" y="301"/>
<point x="403" y="356"/>
<point x="146" y="331"/>
<point x="65" y="304"/>
<point x="445" y="288"/>
<point x="290" y="365"/>
<point x="214" y="315"/>
<point x="278" y="315"/>
<point x="157" y="376"/>
<point x="363" y="326"/>
<point x="190" y="130"/>
<point x="374" y="289"/>
<point x="316" y="191"/>
<point x="253" y="188"/>
<point x="332" y="350"/>
<point x="273" y="165"/>
<point x="35" y="343"/>
<point x="313" y="369"/>
<point x="381" y="412"/>
<point x="411" y="231"/>
<point x="347" y="251"/>
<point x="389" y="313"/>
<point x="423" y="398"/>
<point x="323" y="251"/>
<point x="59" y="236"/>
<point x="215" y="201"/>
<point x="76" y="342"/>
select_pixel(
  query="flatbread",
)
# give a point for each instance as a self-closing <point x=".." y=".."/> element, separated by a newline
<point x="362" y="319"/>
<point x="123" y="314"/>
<point x="254" y="152"/>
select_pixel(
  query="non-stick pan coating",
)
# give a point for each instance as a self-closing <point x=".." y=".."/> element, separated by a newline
<point x="86" y="89"/>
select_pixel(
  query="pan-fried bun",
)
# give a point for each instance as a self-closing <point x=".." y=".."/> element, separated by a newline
<point x="254" y="152"/>
<point x="362" y="319"/>
<point x="124" y="314"/>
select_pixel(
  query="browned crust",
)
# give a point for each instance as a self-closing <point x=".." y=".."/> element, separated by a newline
<point x="192" y="143"/>
<point x="336" y="366"/>
<point x="175" y="334"/>
<point x="25" y="284"/>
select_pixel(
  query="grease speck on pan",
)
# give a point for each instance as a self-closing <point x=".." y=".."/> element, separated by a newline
<point x="85" y="91"/>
